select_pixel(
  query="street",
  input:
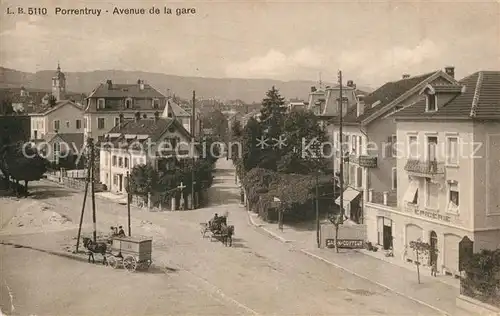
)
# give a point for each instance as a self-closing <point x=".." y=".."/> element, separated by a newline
<point x="191" y="275"/>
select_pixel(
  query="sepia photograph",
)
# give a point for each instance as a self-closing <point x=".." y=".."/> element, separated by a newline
<point x="249" y="157"/>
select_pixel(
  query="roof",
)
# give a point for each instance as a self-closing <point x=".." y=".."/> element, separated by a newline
<point x="386" y="94"/>
<point x="124" y="91"/>
<point x="47" y="108"/>
<point x="480" y="100"/>
<point x="151" y="127"/>
<point x="74" y="140"/>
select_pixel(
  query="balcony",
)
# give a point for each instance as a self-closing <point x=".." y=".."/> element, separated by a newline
<point x="367" y="161"/>
<point x="424" y="168"/>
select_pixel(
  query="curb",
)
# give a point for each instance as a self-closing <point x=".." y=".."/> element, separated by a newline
<point x="51" y="252"/>
<point x="270" y="233"/>
<point x="374" y="282"/>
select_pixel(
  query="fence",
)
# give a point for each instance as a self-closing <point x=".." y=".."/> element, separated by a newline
<point x="75" y="174"/>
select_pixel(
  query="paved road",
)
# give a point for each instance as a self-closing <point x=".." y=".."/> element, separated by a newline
<point x="258" y="275"/>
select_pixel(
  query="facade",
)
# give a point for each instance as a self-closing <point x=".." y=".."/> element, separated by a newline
<point x="369" y="139"/>
<point x="65" y="150"/>
<point x="125" y="146"/>
<point x="62" y="117"/>
<point x="183" y="115"/>
<point x="105" y="104"/>
<point x="448" y="171"/>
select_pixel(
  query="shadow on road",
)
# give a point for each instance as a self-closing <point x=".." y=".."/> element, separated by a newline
<point x="49" y="193"/>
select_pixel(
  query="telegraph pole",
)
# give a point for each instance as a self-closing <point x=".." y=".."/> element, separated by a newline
<point x="92" y="186"/>
<point x="193" y="120"/>
<point x="87" y="180"/>
<point x="341" y="102"/>
<point x="317" y="210"/>
<point x="128" y="203"/>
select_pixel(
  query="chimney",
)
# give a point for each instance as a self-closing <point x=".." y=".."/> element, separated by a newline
<point x="350" y="83"/>
<point x="360" y="106"/>
<point x="141" y="84"/>
<point x="137" y="116"/>
<point x="450" y="71"/>
<point x="313" y="89"/>
<point x="406" y="76"/>
<point x="157" y="116"/>
<point x="109" y="83"/>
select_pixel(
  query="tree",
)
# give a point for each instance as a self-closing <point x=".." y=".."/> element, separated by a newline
<point x="22" y="162"/>
<point x="250" y="152"/>
<point x="420" y="248"/>
<point x="236" y="130"/>
<point x="216" y="121"/>
<point x="143" y="180"/>
<point x="271" y="121"/>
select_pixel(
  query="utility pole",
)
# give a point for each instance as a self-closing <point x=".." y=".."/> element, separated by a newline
<point x="317" y="210"/>
<point x="128" y="203"/>
<point x="193" y="120"/>
<point x="92" y="186"/>
<point x="341" y="103"/>
<point x="87" y="180"/>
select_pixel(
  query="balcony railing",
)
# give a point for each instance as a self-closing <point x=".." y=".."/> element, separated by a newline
<point x="367" y="161"/>
<point x="424" y="167"/>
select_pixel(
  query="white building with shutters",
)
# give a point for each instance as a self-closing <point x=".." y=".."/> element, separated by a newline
<point x="448" y="173"/>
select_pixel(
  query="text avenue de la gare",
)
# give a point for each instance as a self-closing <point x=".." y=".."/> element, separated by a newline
<point x="99" y="12"/>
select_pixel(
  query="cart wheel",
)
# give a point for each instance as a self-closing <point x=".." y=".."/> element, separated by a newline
<point x="130" y="263"/>
<point x="112" y="261"/>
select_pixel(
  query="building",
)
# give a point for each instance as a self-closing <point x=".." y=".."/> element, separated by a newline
<point x="105" y="104"/>
<point x="296" y="104"/>
<point x="369" y="139"/>
<point x="183" y="115"/>
<point x="65" y="150"/>
<point x="127" y="145"/>
<point x="448" y="173"/>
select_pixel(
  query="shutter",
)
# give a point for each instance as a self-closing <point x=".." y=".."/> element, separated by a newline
<point x="388" y="148"/>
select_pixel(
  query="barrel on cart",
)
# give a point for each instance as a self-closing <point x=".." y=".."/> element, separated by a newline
<point x="131" y="253"/>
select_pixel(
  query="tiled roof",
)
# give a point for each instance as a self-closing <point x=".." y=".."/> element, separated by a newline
<point x="177" y="109"/>
<point x="74" y="140"/>
<point x="480" y="100"/>
<point x="385" y="94"/>
<point x="125" y="90"/>
<point x="151" y="127"/>
<point x="46" y="108"/>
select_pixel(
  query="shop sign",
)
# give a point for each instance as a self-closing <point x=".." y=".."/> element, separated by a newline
<point x="433" y="215"/>
<point x="345" y="243"/>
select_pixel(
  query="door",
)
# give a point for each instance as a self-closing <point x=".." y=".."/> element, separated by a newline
<point x="387" y="237"/>
<point x="35" y="134"/>
<point x="433" y="256"/>
<point x="120" y="183"/>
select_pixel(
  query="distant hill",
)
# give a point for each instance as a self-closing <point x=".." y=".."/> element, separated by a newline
<point x="248" y="90"/>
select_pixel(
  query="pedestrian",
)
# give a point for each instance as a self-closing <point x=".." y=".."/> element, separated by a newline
<point x="434" y="269"/>
<point x="121" y="232"/>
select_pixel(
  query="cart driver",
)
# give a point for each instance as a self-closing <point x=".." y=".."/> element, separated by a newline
<point x="214" y="223"/>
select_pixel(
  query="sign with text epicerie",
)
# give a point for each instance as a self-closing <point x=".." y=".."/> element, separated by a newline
<point x="345" y="243"/>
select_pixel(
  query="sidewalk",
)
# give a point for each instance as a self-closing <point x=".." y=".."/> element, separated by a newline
<point x="433" y="293"/>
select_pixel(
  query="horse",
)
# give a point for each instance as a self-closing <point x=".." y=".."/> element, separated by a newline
<point x="95" y="247"/>
<point x="227" y="233"/>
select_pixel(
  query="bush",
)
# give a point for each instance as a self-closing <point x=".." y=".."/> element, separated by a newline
<point x="482" y="277"/>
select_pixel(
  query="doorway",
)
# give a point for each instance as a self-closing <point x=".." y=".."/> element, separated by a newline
<point x="120" y="182"/>
<point x="387" y="237"/>
<point x="433" y="249"/>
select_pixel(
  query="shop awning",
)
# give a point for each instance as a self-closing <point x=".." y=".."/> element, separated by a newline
<point x="349" y="195"/>
<point x="411" y="191"/>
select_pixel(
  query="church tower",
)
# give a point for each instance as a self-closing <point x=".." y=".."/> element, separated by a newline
<point x="59" y="84"/>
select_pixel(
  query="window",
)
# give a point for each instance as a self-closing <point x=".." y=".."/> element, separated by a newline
<point x="431" y="103"/>
<point x="117" y="121"/>
<point x="128" y="103"/>
<point x="453" y="198"/>
<point x="115" y="179"/>
<point x="411" y="194"/>
<point x="394" y="177"/>
<point x="156" y="103"/>
<point x="354" y="144"/>
<point x="56" y="125"/>
<point x="394" y="147"/>
<point x="126" y="162"/>
<point x="114" y="161"/>
<point x="412" y="147"/>
<point x="359" y="177"/>
<point x="85" y="122"/>
<point x="100" y="123"/>
<point x="57" y="148"/>
<point x="78" y="124"/>
<point x="361" y="149"/>
<point x="432" y="195"/>
<point x="432" y="148"/>
<point x="67" y="124"/>
<point x="452" y="151"/>
<point x="100" y="104"/>
<point x="120" y="162"/>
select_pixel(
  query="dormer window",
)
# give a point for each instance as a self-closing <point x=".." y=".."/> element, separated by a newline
<point x="431" y="103"/>
<point x="100" y="104"/>
<point x="156" y="103"/>
<point x="128" y="103"/>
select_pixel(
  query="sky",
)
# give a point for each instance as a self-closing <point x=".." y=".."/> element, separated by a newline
<point x="371" y="42"/>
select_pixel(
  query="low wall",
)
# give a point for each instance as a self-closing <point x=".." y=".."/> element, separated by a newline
<point x="476" y="307"/>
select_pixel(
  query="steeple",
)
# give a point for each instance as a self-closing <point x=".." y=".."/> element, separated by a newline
<point x="320" y="82"/>
<point x="59" y="84"/>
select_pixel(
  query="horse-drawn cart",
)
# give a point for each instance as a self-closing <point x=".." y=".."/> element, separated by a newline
<point x="131" y="253"/>
<point x="218" y="229"/>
